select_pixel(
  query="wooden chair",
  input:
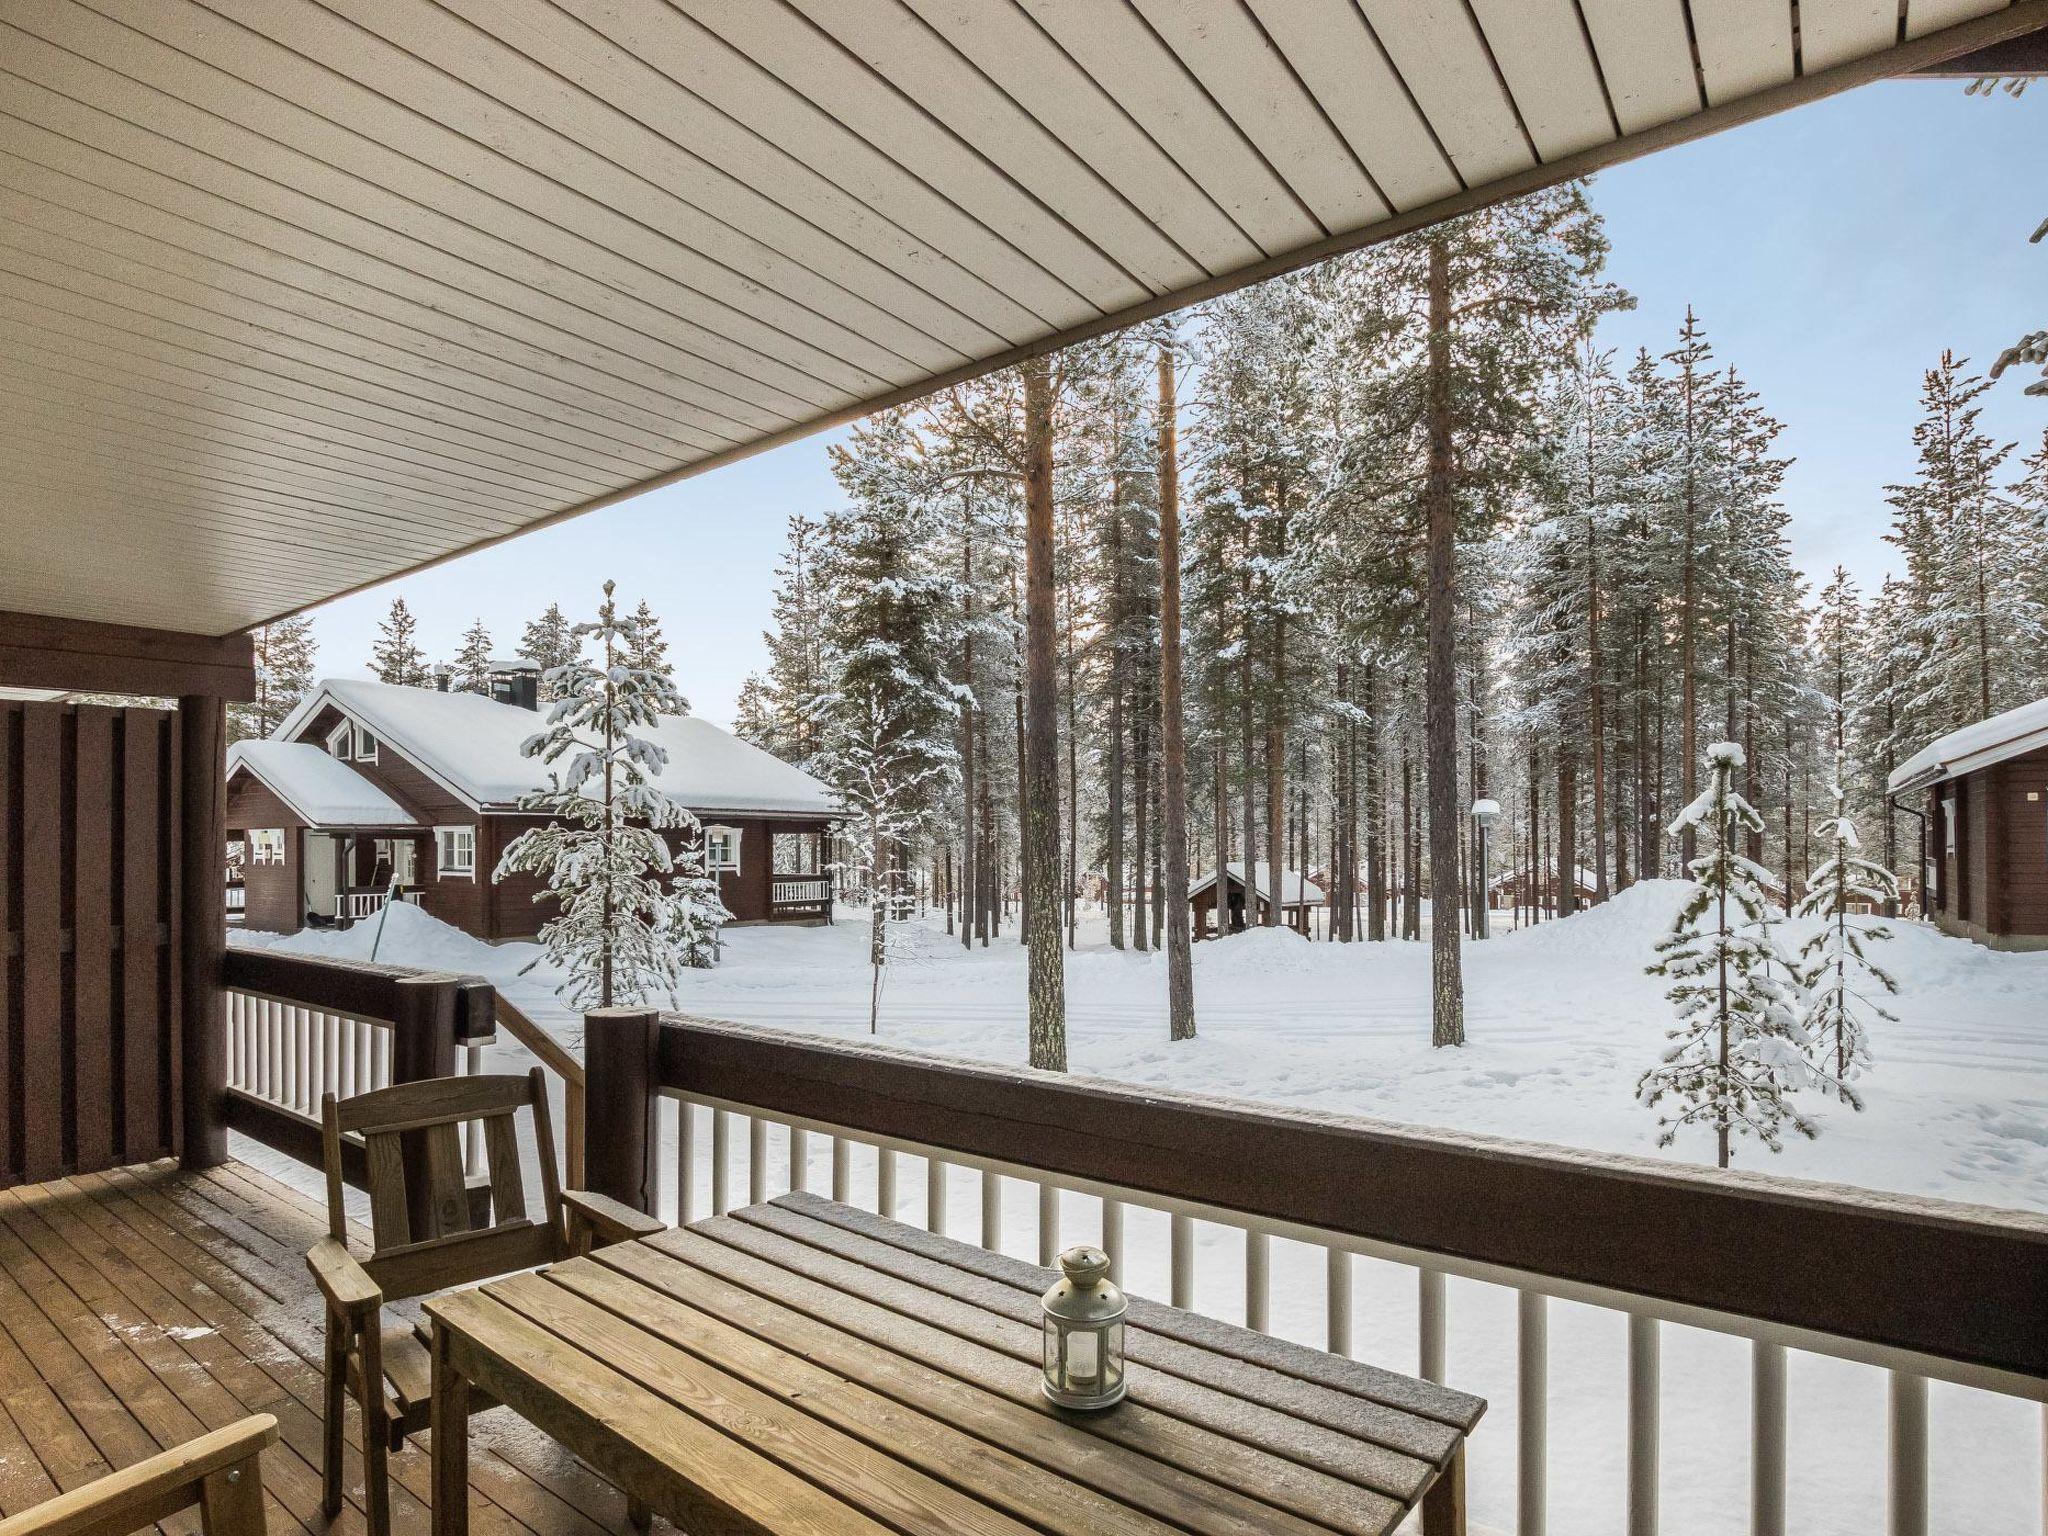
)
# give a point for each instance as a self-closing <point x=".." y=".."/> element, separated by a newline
<point x="424" y="1240"/>
<point x="219" y="1473"/>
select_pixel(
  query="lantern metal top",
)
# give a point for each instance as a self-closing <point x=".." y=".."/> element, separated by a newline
<point x="1084" y="1264"/>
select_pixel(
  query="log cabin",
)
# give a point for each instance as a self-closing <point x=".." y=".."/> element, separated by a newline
<point x="1983" y="808"/>
<point x="367" y="787"/>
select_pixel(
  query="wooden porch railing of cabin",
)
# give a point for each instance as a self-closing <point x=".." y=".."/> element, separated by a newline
<point x="1924" y="1289"/>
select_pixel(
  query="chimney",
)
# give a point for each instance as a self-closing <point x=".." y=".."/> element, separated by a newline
<point x="516" y="683"/>
<point x="443" y="676"/>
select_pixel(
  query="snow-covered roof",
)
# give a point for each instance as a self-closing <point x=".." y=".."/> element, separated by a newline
<point x="1294" y="890"/>
<point x="2017" y="731"/>
<point x="320" y="790"/>
<point x="1583" y="875"/>
<point x="471" y="745"/>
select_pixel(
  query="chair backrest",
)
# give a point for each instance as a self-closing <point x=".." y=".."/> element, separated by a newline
<point x="420" y="1218"/>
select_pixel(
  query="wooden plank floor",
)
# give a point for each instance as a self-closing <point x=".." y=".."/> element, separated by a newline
<point x="141" y="1308"/>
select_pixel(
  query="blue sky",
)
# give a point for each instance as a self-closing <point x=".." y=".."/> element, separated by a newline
<point x="1831" y="252"/>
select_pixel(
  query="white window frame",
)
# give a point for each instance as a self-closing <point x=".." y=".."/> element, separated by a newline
<point x="345" y="743"/>
<point x="448" y="841"/>
<point x="720" y="830"/>
<point x="266" y="845"/>
<point x="359" y="754"/>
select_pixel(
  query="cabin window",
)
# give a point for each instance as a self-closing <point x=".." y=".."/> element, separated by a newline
<point x="351" y="742"/>
<point x="796" y="853"/>
<point x="721" y="848"/>
<point x="266" y="845"/>
<point x="1948" y="820"/>
<point x="399" y="856"/>
<point x="456" y="850"/>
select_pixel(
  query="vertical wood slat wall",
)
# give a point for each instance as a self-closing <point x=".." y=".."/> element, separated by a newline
<point x="89" y="1005"/>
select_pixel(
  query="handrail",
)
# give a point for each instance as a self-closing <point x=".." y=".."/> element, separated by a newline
<point x="220" y="1473"/>
<point x="1930" y="1278"/>
<point x="556" y="1058"/>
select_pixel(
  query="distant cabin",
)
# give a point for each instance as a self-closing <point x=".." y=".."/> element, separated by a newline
<point x="1523" y="887"/>
<point x="366" y="786"/>
<point x="1982" y="796"/>
<point x="1297" y="897"/>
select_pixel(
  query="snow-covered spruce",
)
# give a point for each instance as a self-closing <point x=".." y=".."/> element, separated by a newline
<point x="633" y="915"/>
<point x="1840" y="974"/>
<point x="1741" y="1046"/>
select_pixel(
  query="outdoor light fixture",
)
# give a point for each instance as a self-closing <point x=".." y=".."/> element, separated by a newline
<point x="1084" y="1333"/>
<point x="1486" y="813"/>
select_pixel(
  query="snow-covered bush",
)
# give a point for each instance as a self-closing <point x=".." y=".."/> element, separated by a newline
<point x="1740" y="1048"/>
<point x="633" y="915"/>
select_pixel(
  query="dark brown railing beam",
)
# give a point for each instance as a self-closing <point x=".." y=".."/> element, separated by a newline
<point x="1966" y="1284"/>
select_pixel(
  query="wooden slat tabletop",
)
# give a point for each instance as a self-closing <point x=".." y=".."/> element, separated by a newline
<point x="805" y="1366"/>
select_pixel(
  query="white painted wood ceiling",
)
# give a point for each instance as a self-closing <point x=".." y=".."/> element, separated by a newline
<point x="295" y="297"/>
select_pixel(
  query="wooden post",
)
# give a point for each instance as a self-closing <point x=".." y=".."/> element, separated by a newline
<point x="203" y="922"/>
<point x="422" y="1048"/>
<point x="621" y="1049"/>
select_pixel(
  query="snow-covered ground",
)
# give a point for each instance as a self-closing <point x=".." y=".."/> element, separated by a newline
<point x="1561" y="1020"/>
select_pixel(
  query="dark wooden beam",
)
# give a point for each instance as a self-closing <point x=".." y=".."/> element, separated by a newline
<point x="37" y="651"/>
<point x="358" y="988"/>
<point x="2026" y="54"/>
<point x="1966" y="1284"/>
<point x="200" y="929"/>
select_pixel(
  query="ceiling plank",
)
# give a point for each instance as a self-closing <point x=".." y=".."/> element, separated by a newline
<point x="1745" y="46"/>
<point x="1439" y="50"/>
<point x="1544" y="55"/>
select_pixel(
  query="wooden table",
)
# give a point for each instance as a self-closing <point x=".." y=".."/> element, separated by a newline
<point x="805" y="1367"/>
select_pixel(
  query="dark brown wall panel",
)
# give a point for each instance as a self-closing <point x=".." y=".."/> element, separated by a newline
<point x="88" y="1037"/>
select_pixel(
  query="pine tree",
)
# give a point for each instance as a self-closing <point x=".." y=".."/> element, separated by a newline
<point x="1969" y="568"/>
<point x="284" y="672"/>
<point x="396" y="657"/>
<point x="550" y="644"/>
<point x="1838" y="963"/>
<point x="885" y="716"/>
<point x="649" y="652"/>
<point x="471" y="670"/>
<point x="1739" y="1050"/>
<point x="633" y="914"/>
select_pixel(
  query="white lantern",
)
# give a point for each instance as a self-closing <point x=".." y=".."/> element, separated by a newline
<point x="1084" y="1333"/>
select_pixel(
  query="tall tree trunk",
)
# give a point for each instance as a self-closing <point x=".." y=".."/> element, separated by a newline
<point x="971" y="912"/>
<point x="1141" y="825"/>
<point x="1248" y="767"/>
<point x="1114" y="774"/>
<point x="1440" y="705"/>
<point x="1180" y="970"/>
<point x="1027" y="784"/>
<point x="1688" y="624"/>
<point x="1343" y="868"/>
<point x="1567" y="872"/>
<point x="1041" y="733"/>
<point x="1276" y="779"/>
<point x="1222" y="857"/>
<point x="1375" y="812"/>
<point x="1597" y="688"/>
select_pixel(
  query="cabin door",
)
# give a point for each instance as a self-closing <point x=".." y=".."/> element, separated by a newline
<point x="322" y="866"/>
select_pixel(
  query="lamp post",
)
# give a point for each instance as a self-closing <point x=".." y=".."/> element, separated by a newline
<point x="1485" y="813"/>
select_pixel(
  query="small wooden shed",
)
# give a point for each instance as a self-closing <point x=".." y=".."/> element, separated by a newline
<point x="1297" y="897"/>
<point x="1982" y="795"/>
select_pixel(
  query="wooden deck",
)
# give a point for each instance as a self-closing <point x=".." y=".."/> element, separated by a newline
<point x="141" y="1308"/>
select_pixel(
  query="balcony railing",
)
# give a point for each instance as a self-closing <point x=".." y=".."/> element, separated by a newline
<point x="354" y="906"/>
<point x="1926" y="1290"/>
<point x="800" y="891"/>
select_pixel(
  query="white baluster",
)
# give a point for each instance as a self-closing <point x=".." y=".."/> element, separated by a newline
<point x="1048" y="1224"/>
<point x="991" y="1209"/>
<point x="1113" y="1236"/>
<point x="686" y="1163"/>
<point x="473" y="1130"/>
<point x="1337" y="1301"/>
<point x="1532" y="1393"/>
<point x="935" y="1195"/>
<point x="1908" y="1454"/>
<point x="757" y="1160"/>
<point x="721" y="1159"/>
<point x="1180" y="1242"/>
<point x="799" y="1158"/>
<point x="842" y="1170"/>
<point x="885" y="1182"/>
<point x="1431" y="1305"/>
<point x="1258" y="1280"/>
<point x="1644" y="1420"/>
<point x="1767" y="1439"/>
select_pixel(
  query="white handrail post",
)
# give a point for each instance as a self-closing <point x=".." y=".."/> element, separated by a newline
<point x="1337" y="1300"/>
<point x="1532" y="1401"/>
<point x="885" y="1182"/>
<point x="1048" y="1224"/>
<point x="934" y="1195"/>
<point x="991" y="1209"/>
<point x="721" y="1160"/>
<point x="686" y="1163"/>
<point x="799" y="1158"/>
<point x="1644" y="1410"/>
<point x="1113" y="1236"/>
<point x="842" y="1170"/>
<point x="1907" y="1454"/>
<point x="1767" y="1439"/>
<point x="757" y="1160"/>
<point x="1258" y="1280"/>
<point x="1181" y="1260"/>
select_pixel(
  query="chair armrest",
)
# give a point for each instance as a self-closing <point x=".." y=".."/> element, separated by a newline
<point x="345" y="1283"/>
<point x="605" y="1219"/>
<point x="139" y="1496"/>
